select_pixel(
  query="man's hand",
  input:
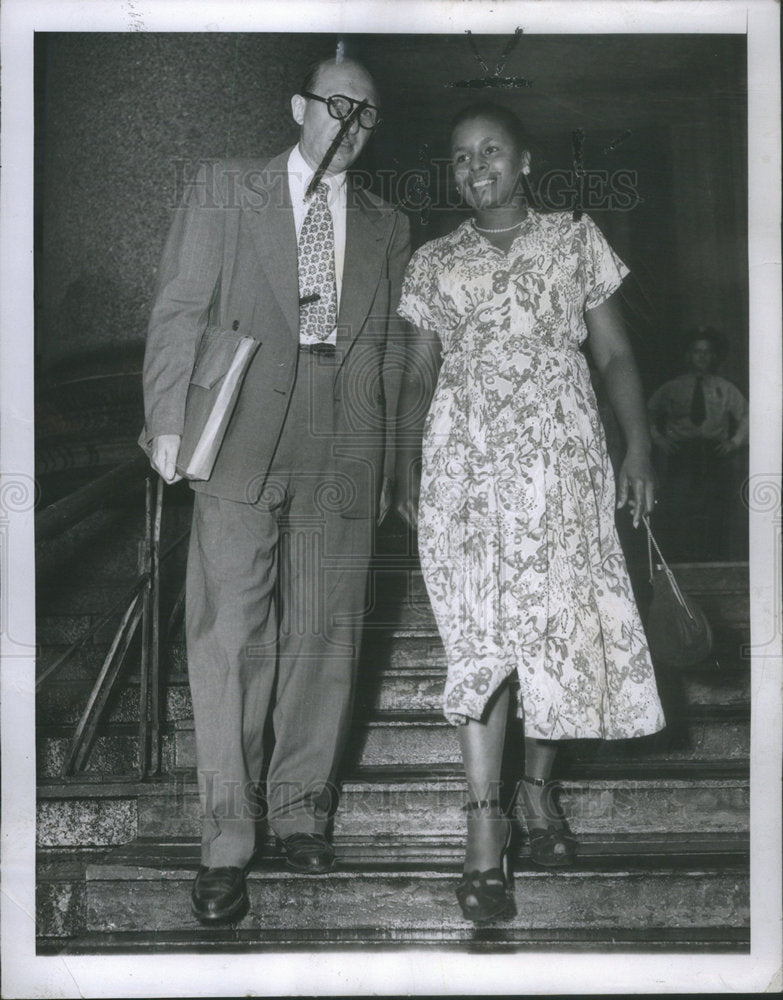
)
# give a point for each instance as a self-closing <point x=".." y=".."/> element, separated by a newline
<point x="165" y="448"/>
<point x="408" y="510"/>
<point x="385" y="502"/>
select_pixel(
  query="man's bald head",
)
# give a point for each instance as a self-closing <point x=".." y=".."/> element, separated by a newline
<point x="315" y="71"/>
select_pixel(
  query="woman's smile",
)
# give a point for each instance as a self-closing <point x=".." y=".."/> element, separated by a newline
<point x="487" y="164"/>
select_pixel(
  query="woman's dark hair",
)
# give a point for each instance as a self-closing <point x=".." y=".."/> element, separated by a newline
<point x="498" y="114"/>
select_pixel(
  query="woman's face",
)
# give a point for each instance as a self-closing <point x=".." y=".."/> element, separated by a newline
<point x="487" y="165"/>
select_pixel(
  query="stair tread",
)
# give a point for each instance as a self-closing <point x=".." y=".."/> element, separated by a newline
<point x="424" y="776"/>
<point x="616" y="854"/>
<point x="702" y="894"/>
<point x="734" y="668"/>
<point x="425" y="717"/>
<point x="593" y="866"/>
<point x="619" y="856"/>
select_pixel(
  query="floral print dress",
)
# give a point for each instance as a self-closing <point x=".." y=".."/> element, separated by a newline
<point x="517" y="538"/>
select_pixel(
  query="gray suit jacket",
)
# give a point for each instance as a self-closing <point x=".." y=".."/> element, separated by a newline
<point x="229" y="268"/>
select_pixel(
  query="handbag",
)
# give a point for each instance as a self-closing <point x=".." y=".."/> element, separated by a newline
<point x="678" y="632"/>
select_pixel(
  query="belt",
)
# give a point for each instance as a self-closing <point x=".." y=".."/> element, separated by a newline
<point x="326" y="350"/>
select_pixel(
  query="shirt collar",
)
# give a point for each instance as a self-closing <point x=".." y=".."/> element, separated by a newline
<point x="300" y="174"/>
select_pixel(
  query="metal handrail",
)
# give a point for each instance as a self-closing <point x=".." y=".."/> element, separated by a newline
<point x="55" y="518"/>
<point x="141" y="606"/>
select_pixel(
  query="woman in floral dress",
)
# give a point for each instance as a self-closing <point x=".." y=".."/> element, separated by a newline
<point x="517" y="539"/>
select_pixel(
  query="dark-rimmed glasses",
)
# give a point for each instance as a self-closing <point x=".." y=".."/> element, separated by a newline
<point x="339" y="106"/>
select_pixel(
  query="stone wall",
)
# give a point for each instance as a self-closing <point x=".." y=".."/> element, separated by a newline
<point x="119" y="116"/>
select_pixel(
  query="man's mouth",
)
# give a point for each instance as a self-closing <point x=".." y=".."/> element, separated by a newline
<point x="483" y="183"/>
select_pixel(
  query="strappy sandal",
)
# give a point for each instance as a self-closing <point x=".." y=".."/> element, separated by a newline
<point x="553" y="845"/>
<point x="484" y="895"/>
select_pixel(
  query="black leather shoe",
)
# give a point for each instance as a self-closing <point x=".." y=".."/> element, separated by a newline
<point x="219" y="895"/>
<point x="310" y="853"/>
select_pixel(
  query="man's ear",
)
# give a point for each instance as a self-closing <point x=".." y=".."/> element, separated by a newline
<point x="298" y="104"/>
<point x="526" y="162"/>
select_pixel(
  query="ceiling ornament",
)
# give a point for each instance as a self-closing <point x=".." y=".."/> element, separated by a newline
<point x="495" y="80"/>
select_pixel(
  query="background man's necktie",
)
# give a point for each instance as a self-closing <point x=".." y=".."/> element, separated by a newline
<point x="317" y="319"/>
<point x="698" y="404"/>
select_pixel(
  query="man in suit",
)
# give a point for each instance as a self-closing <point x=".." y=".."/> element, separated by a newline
<point x="282" y="528"/>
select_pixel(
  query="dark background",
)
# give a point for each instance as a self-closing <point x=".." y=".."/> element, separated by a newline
<point x="120" y="116"/>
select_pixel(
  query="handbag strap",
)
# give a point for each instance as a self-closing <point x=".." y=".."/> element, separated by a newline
<point x="651" y="543"/>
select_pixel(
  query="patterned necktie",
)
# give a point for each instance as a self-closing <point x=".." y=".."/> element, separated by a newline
<point x="317" y="318"/>
<point x="698" y="403"/>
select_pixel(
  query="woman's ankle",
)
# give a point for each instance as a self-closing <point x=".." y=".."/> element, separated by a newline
<point x="487" y="835"/>
<point x="539" y="800"/>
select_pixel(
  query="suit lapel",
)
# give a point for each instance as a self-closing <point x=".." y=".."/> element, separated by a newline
<point x="267" y="206"/>
<point x="269" y="215"/>
<point x="366" y="234"/>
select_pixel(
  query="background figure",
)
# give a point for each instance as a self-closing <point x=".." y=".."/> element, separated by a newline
<point x="699" y="425"/>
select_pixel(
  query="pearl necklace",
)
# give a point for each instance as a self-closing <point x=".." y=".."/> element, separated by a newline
<point x="505" y="229"/>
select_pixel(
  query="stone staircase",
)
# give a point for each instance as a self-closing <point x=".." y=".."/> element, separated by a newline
<point x="662" y="821"/>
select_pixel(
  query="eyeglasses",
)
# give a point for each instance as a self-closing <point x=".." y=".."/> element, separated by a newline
<point x="339" y="106"/>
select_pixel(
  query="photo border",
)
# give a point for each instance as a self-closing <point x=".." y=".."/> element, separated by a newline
<point x="424" y="970"/>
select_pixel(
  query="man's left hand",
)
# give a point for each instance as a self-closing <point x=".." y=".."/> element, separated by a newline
<point x="385" y="502"/>
<point x="408" y="510"/>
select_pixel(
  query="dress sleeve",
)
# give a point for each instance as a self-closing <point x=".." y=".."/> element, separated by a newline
<point x="421" y="302"/>
<point x="602" y="269"/>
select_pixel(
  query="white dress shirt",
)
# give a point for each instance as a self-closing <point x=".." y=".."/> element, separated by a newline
<point x="670" y="410"/>
<point x="299" y="176"/>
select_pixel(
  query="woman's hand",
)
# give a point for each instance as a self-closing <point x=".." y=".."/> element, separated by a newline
<point x="636" y="484"/>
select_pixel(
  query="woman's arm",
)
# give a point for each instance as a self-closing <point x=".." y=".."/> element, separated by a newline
<point x="422" y="363"/>
<point x="614" y="359"/>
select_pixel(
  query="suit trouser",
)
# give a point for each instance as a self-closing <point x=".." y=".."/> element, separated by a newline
<point x="275" y="596"/>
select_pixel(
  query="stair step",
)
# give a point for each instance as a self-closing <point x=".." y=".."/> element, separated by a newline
<point x="434" y="808"/>
<point x="409" y="683"/>
<point x="613" y="890"/>
<point x="424" y="737"/>
<point x="114" y="752"/>
<point x="709" y="733"/>
<point x="378" y="803"/>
